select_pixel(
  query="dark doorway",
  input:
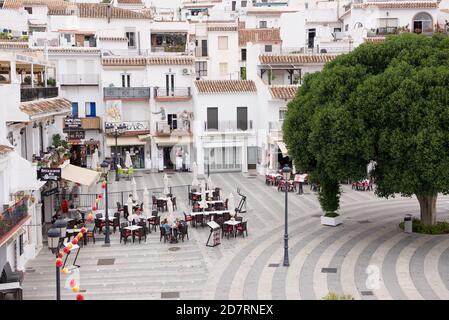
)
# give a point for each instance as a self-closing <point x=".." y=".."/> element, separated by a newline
<point x="168" y="164"/>
<point x="311" y="38"/>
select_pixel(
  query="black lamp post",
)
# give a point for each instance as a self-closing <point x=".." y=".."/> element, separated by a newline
<point x="55" y="236"/>
<point x="116" y="130"/>
<point x="105" y="170"/>
<point x="286" y="171"/>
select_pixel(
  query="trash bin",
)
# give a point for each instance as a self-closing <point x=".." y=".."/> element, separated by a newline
<point x="408" y="223"/>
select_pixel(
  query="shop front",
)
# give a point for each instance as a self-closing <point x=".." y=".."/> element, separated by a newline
<point x="135" y="145"/>
<point x="173" y="153"/>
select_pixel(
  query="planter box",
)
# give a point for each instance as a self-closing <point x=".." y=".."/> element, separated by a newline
<point x="328" y="221"/>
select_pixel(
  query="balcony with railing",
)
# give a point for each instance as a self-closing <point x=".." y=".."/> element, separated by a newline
<point x="201" y="52"/>
<point x="79" y="79"/>
<point x="12" y="218"/>
<point x="30" y="94"/>
<point x="275" y="125"/>
<point x="382" y="31"/>
<point x="127" y="93"/>
<point x="172" y="94"/>
<point x="228" y="126"/>
<point x="163" y="129"/>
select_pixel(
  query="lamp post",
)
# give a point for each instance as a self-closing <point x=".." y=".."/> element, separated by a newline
<point x="286" y="171"/>
<point x="116" y="130"/>
<point x="56" y="235"/>
<point x="105" y="169"/>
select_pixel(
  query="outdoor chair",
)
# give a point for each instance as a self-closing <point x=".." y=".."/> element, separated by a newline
<point x="242" y="229"/>
<point x="154" y="222"/>
<point x="183" y="230"/>
<point x="226" y="230"/>
<point x="188" y="218"/>
<point x="199" y="218"/>
<point x="114" y="223"/>
<point x="154" y="202"/>
<point x="162" y="205"/>
<point x="99" y="224"/>
<point x="226" y="216"/>
<point x="164" y="234"/>
<point x="120" y="208"/>
<point x="90" y="232"/>
<point x="124" y="233"/>
<point x="140" y="233"/>
<point x="173" y="200"/>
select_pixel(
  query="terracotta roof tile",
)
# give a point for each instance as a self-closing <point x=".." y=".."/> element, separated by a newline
<point x="15" y="4"/>
<point x="129" y="1"/>
<point x="5" y="149"/>
<point x="259" y="35"/>
<point x="42" y="106"/>
<point x="222" y="28"/>
<point x="398" y="5"/>
<point x="225" y="86"/>
<point x="117" y="61"/>
<point x="374" y="39"/>
<point x="296" y="58"/>
<point x="283" y="92"/>
<point x="113" y="39"/>
<point x="74" y="50"/>
<point x="14" y="45"/>
<point x="141" y="61"/>
<point x="98" y="10"/>
<point x="171" y="60"/>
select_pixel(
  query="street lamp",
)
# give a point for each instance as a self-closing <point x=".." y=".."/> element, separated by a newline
<point x="55" y="236"/>
<point x="116" y="130"/>
<point x="286" y="171"/>
<point x="105" y="170"/>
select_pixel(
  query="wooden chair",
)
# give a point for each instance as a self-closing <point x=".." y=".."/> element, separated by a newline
<point x="154" y="222"/>
<point x="124" y="233"/>
<point x="161" y="204"/>
<point x="226" y="230"/>
<point x="226" y="216"/>
<point x="164" y="234"/>
<point x="242" y="228"/>
<point x="187" y="218"/>
<point x="183" y="230"/>
<point x="173" y="200"/>
<point x="141" y="232"/>
<point x="90" y="232"/>
<point x="199" y="218"/>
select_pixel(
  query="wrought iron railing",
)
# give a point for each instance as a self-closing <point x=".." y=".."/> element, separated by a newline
<point x="13" y="216"/>
<point x="232" y="126"/>
<point x="162" y="92"/>
<point x="127" y="92"/>
<point x="30" y="94"/>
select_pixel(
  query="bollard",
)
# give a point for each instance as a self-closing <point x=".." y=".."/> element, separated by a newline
<point x="408" y="224"/>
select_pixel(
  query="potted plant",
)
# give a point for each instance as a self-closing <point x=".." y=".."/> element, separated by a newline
<point x="329" y="198"/>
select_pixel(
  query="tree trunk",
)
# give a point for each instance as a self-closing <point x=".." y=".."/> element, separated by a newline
<point x="428" y="205"/>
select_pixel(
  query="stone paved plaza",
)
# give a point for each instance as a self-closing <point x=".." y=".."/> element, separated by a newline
<point x="410" y="266"/>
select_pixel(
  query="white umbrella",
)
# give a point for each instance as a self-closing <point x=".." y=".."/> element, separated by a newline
<point x="195" y="174"/>
<point x="130" y="210"/>
<point x="170" y="217"/>
<point x="134" y="184"/>
<point x="128" y="161"/>
<point x="203" y="204"/>
<point x="146" y="203"/>
<point x="210" y="183"/>
<point x="231" y="204"/>
<point x="95" y="160"/>
<point x="166" y="185"/>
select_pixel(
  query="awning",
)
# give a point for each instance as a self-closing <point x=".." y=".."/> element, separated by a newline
<point x="79" y="175"/>
<point x="144" y="136"/>
<point x="23" y="175"/>
<point x="172" y="140"/>
<point x="283" y="148"/>
<point x="125" y="141"/>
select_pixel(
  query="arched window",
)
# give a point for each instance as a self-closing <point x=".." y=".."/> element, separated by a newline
<point x="358" y="25"/>
<point x="423" y="23"/>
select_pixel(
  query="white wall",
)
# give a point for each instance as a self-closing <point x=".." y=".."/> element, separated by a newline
<point x="230" y="56"/>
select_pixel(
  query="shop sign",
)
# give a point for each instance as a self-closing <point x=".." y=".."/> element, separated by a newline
<point x="49" y="174"/>
<point x="76" y="135"/>
<point x="73" y="123"/>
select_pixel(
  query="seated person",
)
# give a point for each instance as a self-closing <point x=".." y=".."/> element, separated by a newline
<point x="166" y="226"/>
<point x="175" y="228"/>
<point x="74" y="213"/>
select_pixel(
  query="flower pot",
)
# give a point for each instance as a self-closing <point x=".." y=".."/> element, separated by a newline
<point x="331" y="221"/>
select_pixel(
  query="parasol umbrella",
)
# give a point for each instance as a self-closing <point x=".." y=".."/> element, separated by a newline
<point x="210" y="186"/>
<point x="166" y="185"/>
<point x="146" y="203"/>
<point x="134" y="184"/>
<point x="231" y="205"/>
<point x="130" y="210"/>
<point x="95" y="160"/>
<point x="128" y="161"/>
<point x="195" y="175"/>
<point x="170" y="217"/>
<point x="203" y="204"/>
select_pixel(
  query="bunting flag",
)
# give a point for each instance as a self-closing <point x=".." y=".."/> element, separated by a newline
<point x="72" y="282"/>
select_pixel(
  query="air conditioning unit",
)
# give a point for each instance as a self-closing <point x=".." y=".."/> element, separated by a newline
<point x="185" y="71"/>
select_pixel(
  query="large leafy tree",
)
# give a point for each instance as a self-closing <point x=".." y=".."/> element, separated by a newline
<point x="384" y="102"/>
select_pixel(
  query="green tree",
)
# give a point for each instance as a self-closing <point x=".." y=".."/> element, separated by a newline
<point x="384" y="102"/>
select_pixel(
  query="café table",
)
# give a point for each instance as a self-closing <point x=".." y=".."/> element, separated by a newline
<point x="233" y="223"/>
<point x="133" y="228"/>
